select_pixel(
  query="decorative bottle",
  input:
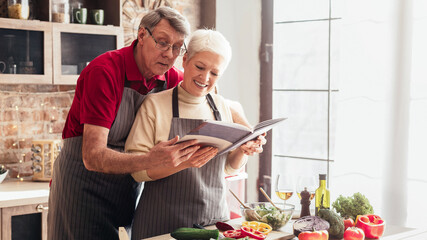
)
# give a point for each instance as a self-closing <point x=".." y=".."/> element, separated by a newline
<point x="322" y="195"/>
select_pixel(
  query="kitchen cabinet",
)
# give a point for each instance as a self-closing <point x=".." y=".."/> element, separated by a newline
<point x="23" y="210"/>
<point x="24" y="222"/>
<point x="45" y="52"/>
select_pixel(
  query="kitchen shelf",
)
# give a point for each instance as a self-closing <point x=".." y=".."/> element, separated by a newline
<point x="79" y="44"/>
<point x="58" y="51"/>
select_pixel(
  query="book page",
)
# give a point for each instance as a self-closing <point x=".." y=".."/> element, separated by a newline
<point x="221" y="144"/>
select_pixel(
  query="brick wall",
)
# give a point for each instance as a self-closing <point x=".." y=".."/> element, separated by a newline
<point x="31" y="112"/>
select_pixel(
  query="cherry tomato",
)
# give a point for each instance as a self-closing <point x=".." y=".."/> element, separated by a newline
<point x="252" y="233"/>
<point x="348" y="223"/>
<point x="315" y="235"/>
<point x="354" y="233"/>
<point x="237" y="233"/>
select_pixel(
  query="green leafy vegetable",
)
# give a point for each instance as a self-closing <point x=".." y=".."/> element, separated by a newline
<point x="272" y="216"/>
<point x="350" y="207"/>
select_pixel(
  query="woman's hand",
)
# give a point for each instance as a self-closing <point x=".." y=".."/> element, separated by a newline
<point x="254" y="146"/>
<point x="201" y="157"/>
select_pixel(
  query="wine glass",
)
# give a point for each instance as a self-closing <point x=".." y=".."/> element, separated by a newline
<point x="308" y="183"/>
<point x="284" y="187"/>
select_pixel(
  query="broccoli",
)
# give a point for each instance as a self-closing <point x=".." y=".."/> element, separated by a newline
<point x="350" y="207"/>
<point x="336" y="223"/>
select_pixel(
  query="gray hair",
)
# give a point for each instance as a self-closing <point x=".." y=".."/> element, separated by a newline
<point x="175" y="19"/>
<point x="209" y="40"/>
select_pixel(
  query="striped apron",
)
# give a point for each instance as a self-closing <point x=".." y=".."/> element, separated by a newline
<point x="191" y="196"/>
<point x="91" y="205"/>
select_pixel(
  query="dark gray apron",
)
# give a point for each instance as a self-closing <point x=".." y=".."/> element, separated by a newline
<point x="91" y="205"/>
<point x="191" y="196"/>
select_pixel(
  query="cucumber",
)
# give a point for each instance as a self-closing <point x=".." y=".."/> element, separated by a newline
<point x="194" y="233"/>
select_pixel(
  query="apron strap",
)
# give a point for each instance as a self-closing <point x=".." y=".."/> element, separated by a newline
<point x="211" y="102"/>
<point x="175" y="108"/>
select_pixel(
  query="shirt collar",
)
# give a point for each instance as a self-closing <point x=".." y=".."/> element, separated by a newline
<point x="132" y="71"/>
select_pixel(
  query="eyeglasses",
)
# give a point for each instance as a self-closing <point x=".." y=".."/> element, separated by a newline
<point x="164" y="46"/>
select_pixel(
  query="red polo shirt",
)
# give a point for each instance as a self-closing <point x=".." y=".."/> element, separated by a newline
<point x="100" y="87"/>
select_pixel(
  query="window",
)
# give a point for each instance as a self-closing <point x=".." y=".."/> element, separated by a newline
<point x="349" y="76"/>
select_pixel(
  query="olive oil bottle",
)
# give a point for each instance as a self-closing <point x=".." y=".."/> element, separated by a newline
<point x="322" y="195"/>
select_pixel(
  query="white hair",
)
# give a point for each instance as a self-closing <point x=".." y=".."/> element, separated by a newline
<point x="209" y="40"/>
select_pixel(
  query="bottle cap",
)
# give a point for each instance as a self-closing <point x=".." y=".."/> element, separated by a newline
<point x="322" y="176"/>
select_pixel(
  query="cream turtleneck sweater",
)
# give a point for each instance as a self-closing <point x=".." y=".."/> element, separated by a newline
<point x="153" y="121"/>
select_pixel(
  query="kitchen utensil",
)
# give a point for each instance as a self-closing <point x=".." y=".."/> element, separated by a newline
<point x="268" y="198"/>
<point x="249" y="211"/>
<point x="26" y="67"/>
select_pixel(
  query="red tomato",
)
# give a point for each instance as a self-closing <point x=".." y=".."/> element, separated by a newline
<point x="372" y="225"/>
<point x="315" y="235"/>
<point x="354" y="233"/>
<point x="348" y="223"/>
<point x="233" y="233"/>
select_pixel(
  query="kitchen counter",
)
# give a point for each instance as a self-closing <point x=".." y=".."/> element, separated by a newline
<point x="18" y="193"/>
<point x="391" y="233"/>
<point x="236" y="223"/>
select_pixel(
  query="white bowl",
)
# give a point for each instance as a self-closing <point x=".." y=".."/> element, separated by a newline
<point x="3" y="176"/>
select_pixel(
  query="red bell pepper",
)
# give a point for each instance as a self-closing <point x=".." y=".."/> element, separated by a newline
<point x="237" y="233"/>
<point x="372" y="225"/>
<point x="252" y="233"/>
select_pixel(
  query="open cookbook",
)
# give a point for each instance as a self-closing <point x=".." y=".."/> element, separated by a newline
<point x="227" y="136"/>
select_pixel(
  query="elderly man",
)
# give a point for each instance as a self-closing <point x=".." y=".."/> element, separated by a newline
<point x="92" y="193"/>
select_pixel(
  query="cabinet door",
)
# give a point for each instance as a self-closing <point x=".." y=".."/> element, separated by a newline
<point x="25" y="52"/>
<point x="74" y="46"/>
<point x="24" y="222"/>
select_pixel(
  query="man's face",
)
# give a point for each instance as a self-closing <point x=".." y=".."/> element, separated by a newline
<point x="201" y="72"/>
<point x="154" y="61"/>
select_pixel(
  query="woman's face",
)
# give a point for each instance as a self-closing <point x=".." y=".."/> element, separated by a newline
<point x="201" y="72"/>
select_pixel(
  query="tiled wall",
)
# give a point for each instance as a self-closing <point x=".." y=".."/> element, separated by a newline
<point x="31" y="112"/>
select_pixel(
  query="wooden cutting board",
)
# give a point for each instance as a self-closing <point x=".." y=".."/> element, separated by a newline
<point x="237" y="223"/>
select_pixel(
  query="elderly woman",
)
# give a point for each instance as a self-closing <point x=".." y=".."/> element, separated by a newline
<point x="193" y="192"/>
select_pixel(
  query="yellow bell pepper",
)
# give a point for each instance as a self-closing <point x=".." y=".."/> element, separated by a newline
<point x="260" y="226"/>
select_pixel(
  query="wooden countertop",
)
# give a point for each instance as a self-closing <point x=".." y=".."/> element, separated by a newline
<point x="17" y="193"/>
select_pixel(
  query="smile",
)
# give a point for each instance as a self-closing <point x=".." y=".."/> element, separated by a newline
<point x="199" y="84"/>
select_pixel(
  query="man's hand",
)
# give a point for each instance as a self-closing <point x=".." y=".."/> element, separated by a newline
<point x="254" y="146"/>
<point x="170" y="154"/>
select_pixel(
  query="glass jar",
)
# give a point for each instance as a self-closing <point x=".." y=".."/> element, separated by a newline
<point x="18" y="9"/>
<point x="61" y="11"/>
